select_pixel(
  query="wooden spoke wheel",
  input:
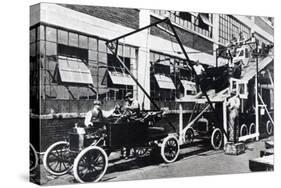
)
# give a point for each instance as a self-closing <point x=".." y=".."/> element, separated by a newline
<point x="189" y="136"/>
<point x="216" y="139"/>
<point x="141" y="152"/>
<point x="90" y="165"/>
<point x="243" y="130"/>
<point x="33" y="158"/>
<point x="252" y="128"/>
<point x="269" y="128"/>
<point x="170" y="149"/>
<point x="57" y="159"/>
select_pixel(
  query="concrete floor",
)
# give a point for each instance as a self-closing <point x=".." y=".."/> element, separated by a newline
<point x="195" y="160"/>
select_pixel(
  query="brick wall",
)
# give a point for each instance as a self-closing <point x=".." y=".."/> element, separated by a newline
<point x="73" y="106"/>
<point x="187" y="38"/>
<point x="123" y="16"/>
<point x="53" y="130"/>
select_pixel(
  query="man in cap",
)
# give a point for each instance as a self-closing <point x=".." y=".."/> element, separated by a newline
<point x="131" y="106"/>
<point x="96" y="114"/>
<point x="131" y="109"/>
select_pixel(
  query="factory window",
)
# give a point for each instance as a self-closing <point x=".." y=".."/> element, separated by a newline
<point x="229" y="28"/>
<point x="185" y="16"/>
<point x="166" y="73"/>
<point x="117" y="78"/>
<point x="73" y="70"/>
<point x="72" y="67"/>
<point x="200" y="23"/>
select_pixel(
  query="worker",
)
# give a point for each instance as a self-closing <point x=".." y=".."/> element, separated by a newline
<point x="131" y="106"/>
<point x="233" y="105"/>
<point x="131" y="110"/>
<point x="200" y="72"/>
<point x="96" y="114"/>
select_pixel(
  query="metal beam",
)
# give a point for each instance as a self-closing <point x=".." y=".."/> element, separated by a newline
<point x="193" y="71"/>
<point x="138" y="30"/>
<point x="136" y="81"/>
<point x="265" y="106"/>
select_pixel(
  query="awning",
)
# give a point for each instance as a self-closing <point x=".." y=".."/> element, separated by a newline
<point x="250" y="71"/>
<point x="194" y="13"/>
<point x="205" y="19"/>
<point x="164" y="82"/>
<point x="73" y="70"/>
<point x="188" y="85"/>
<point x="121" y="78"/>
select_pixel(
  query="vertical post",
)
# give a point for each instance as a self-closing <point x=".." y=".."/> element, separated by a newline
<point x="256" y="95"/>
<point x="181" y="139"/>
<point x="224" y="120"/>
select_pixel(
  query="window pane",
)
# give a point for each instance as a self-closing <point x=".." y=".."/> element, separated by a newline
<point x="51" y="49"/>
<point x="83" y="41"/>
<point x="62" y="37"/>
<point x="120" y="50"/>
<point x="51" y="34"/>
<point x="127" y="51"/>
<point x="32" y="50"/>
<point x="93" y="44"/>
<point x="103" y="57"/>
<point x="32" y="36"/>
<point x="93" y="64"/>
<point x="93" y="55"/>
<point x="102" y="46"/>
<point x="41" y="33"/>
<point x="73" y="39"/>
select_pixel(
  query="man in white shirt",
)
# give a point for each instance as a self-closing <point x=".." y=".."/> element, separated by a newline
<point x="200" y="71"/>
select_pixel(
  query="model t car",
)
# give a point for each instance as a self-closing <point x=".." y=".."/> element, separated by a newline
<point x="87" y="149"/>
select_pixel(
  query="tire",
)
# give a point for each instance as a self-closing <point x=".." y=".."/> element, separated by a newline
<point x="141" y="152"/>
<point x="216" y="139"/>
<point x="33" y="158"/>
<point x="81" y="163"/>
<point x="170" y="149"/>
<point x="269" y="128"/>
<point x="243" y="130"/>
<point x="60" y="152"/>
<point x="252" y="128"/>
<point x="189" y="136"/>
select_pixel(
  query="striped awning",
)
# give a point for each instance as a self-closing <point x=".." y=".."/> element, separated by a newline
<point x="164" y="82"/>
<point x="188" y="85"/>
<point x="205" y="19"/>
<point x="73" y="70"/>
<point x="120" y="78"/>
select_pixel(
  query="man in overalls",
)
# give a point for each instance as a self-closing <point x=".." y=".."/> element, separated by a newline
<point x="233" y="105"/>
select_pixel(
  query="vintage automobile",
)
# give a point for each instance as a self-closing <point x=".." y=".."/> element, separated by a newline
<point x="87" y="149"/>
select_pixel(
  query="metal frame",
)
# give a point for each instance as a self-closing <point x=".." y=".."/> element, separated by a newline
<point x="249" y="42"/>
<point x="187" y="62"/>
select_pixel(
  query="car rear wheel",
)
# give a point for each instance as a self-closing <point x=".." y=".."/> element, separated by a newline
<point x="170" y="149"/>
<point x="189" y="136"/>
<point x="269" y="128"/>
<point x="216" y="139"/>
<point x="243" y="130"/>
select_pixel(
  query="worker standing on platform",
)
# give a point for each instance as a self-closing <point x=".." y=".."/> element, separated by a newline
<point x="200" y="72"/>
<point x="233" y="105"/>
